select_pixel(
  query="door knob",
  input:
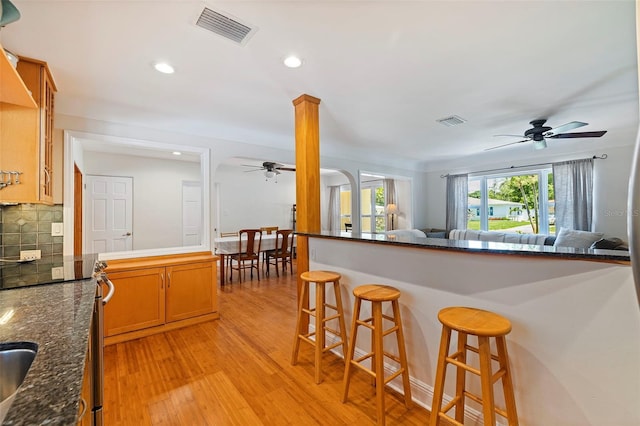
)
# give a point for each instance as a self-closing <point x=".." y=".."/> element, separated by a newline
<point x="128" y="234"/>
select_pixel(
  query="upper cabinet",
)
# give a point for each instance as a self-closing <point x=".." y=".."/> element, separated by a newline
<point x="26" y="131"/>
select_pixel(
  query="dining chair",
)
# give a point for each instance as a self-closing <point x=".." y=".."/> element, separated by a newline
<point x="269" y="229"/>
<point x="282" y="252"/>
<point x="248" y="255"/>
<point x="228" y="257"/>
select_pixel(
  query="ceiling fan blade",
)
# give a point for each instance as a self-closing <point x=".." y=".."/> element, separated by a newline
<point x="577" y="135"/>
<point x="254" y="170"/>
<point x="565" y="127"/>
<point x="288" y="169"/>
<point x="513" y="136"/>
<point x="507" y="144"/>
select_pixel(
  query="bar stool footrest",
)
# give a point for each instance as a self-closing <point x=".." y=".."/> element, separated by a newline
<point x="462" y="365"/>
<point x="450" y="419"/>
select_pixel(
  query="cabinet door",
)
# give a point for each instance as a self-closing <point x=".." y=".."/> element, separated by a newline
<point x="138" y="301"/>
<point x="46" y="137"/>
<point x="84" y="409"/>
<point x="191" y="290"/>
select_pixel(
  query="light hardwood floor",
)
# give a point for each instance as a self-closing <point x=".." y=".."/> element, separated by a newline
<point x="237" y="371"/>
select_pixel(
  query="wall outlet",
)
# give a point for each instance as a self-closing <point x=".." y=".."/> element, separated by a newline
<point x="57" y="229"/>
<point x="57" y="273"/>
<point x="30" y="254"/>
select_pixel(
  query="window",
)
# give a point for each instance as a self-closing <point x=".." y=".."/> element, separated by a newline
<point x="372" y="216"/>
<point x="512" y="202"/>
<point x="345" y="206"/>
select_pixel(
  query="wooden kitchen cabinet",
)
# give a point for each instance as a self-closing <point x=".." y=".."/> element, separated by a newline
<point x="84" y="408"/>
<point x="18" y="135"/>
<point x="38" y="79"/>
<point x="190" y="291"/>
<point x="26" y="130"/>
<point x="160" y="293"/>
<point x="138" y="301"/>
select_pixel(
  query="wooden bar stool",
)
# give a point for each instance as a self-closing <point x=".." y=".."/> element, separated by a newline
<point x="484" y="325"/>
<point x="377" y="294"/>
<point x="320" y="278"/>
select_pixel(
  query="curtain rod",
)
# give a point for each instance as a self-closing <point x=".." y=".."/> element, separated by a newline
<point x="595" y="157"/>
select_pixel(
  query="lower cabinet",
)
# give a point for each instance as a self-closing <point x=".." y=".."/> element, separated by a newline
<point x="138" y="301"/>
<point x="84" y="407"/>
<point x="158" y="294"/>
<point x="189" y="291"/>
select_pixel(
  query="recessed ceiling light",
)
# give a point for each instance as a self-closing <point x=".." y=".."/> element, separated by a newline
<point x="164" y="68"/>
<point x="292" y="61"/>
<point x="176" y="153"/>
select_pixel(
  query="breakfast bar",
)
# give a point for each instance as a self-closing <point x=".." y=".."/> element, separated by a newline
<point x="574" y="345"/>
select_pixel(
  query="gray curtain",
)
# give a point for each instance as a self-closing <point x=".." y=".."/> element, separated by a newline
<point x="334" y="208"/>
<point x="457" y="200"/>
<point x="573" y="193"/>
<point x="390" y="197"/>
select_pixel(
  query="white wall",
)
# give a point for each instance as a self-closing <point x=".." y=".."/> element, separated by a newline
<point x="157" y="194"/>
<point x="574" y="345"/>
<point x="611" y="182"/>
<point x="248" y="200"/>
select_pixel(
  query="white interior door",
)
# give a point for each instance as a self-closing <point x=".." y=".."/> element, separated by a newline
<point x="191" y="213"/>
<point x="108" y="214"/>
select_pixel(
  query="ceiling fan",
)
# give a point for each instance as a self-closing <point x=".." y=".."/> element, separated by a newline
<point x="539" y="133"/>
<point x="270" y="168"/>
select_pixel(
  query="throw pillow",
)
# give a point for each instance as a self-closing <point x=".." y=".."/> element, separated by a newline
<point x="576" y="239"/>
<point x="610" y="244"/>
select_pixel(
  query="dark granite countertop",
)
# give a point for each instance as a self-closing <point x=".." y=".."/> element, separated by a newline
<point x="617" y="256"/>
<point x="58" y="318"/>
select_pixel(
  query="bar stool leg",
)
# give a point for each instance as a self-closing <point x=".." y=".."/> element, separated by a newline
<point x="461" y="377"/>
<point x="402" y="352"/>
<point x="343" y="328"/>
<point x="378" y="367"/>
<point x="507" y="382"/>
<point x="351" y="349"/>
<point x="320" y="335"/>
<point x="296" y="342"/>
<point x="485" y="378"/>
<point x="441" y="370"/>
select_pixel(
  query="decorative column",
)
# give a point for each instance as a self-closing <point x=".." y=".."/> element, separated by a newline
<point x="307" y="130"/>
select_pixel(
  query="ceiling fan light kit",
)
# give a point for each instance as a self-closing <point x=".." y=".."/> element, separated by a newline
<point x="539" y="133"/>
<point x="270" y="168"/>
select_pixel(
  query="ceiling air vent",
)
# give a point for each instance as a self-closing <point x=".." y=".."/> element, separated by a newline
<point x="454" y="120"/>
<point x="225" y="25"/>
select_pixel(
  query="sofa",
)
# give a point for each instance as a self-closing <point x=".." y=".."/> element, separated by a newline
<point x="564" y="238"/>
<point x="501" y="237"/>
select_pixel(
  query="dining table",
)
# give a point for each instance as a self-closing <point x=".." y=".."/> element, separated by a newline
<point x="226" y="246"/>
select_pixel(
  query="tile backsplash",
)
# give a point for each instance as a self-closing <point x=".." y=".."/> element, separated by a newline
<point x="28" y="227"/>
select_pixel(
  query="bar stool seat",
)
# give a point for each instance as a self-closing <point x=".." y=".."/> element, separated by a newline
<point x="320" y="278"/>
<point x="377" y="294"/>
<point x="484" y="325"/>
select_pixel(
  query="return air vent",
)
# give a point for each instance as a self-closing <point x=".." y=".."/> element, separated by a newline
<point x="454" y="120"/>
<point x="225" y="25"/>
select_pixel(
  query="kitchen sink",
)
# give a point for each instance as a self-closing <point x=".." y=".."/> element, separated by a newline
<point x="15" y="360"/>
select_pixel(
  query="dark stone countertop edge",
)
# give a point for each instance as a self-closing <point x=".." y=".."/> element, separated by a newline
<point x="57" y="317"/>
<point x="481" y="247"/>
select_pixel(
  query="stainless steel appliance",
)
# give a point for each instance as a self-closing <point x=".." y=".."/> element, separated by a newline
<point x="97" y="343"/>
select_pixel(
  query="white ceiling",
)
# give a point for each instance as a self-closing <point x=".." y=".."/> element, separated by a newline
<point x="384" y="70"/>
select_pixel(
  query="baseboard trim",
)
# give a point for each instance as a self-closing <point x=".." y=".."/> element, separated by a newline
<point x="421" y="393"/>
